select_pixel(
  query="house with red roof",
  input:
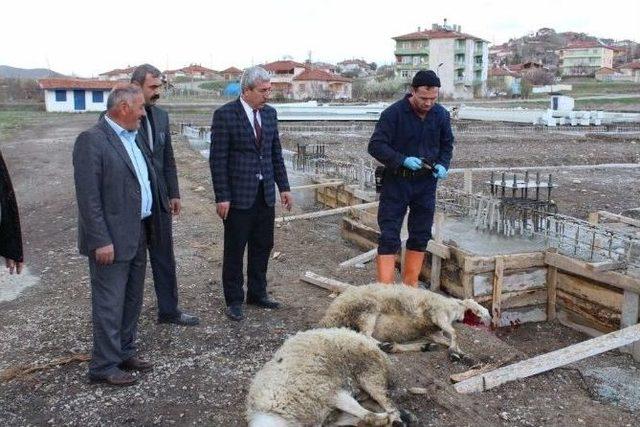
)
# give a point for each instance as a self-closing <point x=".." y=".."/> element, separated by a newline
<point x="193" y="71"/>
<point x="75" y="95"/>
<point x="502" y="80"/>
<point x="461" y="60"/>
<point x="631" y="70"/>
<point x="231" y="74"/>
<point x="295" y="80"/>
<point x="584" y="58"/>
<point x="118" y="74"/>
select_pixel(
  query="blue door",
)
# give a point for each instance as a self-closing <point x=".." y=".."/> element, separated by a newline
<point x="78" y="100"/>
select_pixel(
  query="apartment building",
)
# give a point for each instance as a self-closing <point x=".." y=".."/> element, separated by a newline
<point x="461" y="60"/>
<point x="585" y="58"/>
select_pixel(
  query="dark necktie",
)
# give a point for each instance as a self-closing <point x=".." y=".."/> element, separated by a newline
<point x="257" y="127"/>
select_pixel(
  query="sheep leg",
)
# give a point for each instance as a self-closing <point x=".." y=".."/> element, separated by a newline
<point x="367" y="324"/>
<point x="454" y="351"/>
<point x="346" y="403"/>
<point x="420" y="345"/>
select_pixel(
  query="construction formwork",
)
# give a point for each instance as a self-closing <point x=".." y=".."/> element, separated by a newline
<point x="589" y="283"/>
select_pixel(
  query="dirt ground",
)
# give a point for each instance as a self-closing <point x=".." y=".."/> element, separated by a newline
<point x="202" y="374"/>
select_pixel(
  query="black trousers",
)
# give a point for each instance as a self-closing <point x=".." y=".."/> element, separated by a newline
<point x="252" y="228"/>
<point x="163" y="266"/>
<point x="116" y="301"/>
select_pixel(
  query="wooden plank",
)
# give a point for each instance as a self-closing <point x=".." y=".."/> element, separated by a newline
<point x="361" y="242"/>
<point x="600" y="316"/>
<point x="324" y="213"/>
<point x="568" y="319"/>
<point x="521" y="315"/>
<point x="478" y="264"/>
<point x="325" y="282"/>
<point x="318" y="185"/>
<point x="552" y="286"/>
<point x="548" y="361"/>
<point x="360" y="259"/>
<point x="497" y="291"/>
<point x="513" y="281"/>
<point x="361" y="229"/>
<point x="461" y="376"/>
<point x="630" y="316"/>
<point x="605" y="265"/>
<point x="593" y="218"/>
<point x="436" y="259"/>
<point x="620" y="218"/>
<point x="612" y="278"/>
<point x="440" y="250"/>
<point x="591" y="291"/>
<point x="518" y="299"/>
<point x="467" y="285"/>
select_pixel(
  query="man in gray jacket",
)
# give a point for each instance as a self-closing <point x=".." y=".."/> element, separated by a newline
<point x="118" y="204"/>
<point x="155" y="135"/>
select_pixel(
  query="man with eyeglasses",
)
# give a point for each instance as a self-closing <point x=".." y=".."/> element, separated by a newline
<point x="246" y="165"/>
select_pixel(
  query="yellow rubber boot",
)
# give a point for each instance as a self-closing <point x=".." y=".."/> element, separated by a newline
<point x="386" y="268"/>
<point x="412" y="266"/>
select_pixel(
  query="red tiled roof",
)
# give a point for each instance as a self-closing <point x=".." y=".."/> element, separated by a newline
<point x="193" y="68"/>
<point x="587" y="44"/>
<point x="119" y="71"/>
<point x="231" y="70"/>
<point x="76" y="84"/>
<point x="311" y="74"/>
<point x="606" y="70"/>
<point x="283" y="66"/>
<point x="634" y="65"/>
<point x="436" y="34"/>
<point x="501" y="72"/>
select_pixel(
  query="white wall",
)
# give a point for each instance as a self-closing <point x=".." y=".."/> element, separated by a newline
<point x="68" y="106"/>
<point x="441" y="51"/>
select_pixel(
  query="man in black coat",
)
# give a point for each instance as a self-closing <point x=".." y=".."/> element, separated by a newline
<point x="10" y="233"/>
<point x="155" y="135"/>
<point x="246" y="165"/>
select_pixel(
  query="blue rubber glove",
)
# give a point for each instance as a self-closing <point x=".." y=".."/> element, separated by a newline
<point x="440" y="172"/>
<point x="412" y="163"/>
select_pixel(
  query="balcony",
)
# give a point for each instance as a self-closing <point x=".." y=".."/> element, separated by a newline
<point x="412" y="51"/>
<point x="458" y="80"/>
<point x="458" y="65"/>
<point x="477" y="65"/>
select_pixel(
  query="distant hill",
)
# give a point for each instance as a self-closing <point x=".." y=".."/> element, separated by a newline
<point x="543" y="45"/>
<point x="8" y="72"/>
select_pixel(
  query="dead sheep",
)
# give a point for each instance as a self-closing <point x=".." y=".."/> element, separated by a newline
<point x="399" y="314"/>
<point x="313" y="378"/>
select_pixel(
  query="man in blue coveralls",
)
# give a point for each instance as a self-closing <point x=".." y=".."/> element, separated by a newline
<point x="413" y="140"/>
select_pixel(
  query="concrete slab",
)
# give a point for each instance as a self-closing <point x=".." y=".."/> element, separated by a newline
<point x="463" y="234"/>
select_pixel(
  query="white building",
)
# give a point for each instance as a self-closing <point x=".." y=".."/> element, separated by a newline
<point x="461" y="60"/>
<point x="75" y="95"/>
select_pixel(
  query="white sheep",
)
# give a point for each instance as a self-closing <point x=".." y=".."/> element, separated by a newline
<point x="313" y="378"/>
<point x="399" y="314"/>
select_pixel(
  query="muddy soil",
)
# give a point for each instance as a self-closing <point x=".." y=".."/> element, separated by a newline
<point x="202" y="374"/>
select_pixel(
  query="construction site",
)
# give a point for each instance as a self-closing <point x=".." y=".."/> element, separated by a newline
<point x="539" y="224"/>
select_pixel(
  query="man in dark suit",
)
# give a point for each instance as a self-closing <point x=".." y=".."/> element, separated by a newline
<point x="155" y="135"/>
<point x="116" y="191"/>
<point x="246" y="164"/>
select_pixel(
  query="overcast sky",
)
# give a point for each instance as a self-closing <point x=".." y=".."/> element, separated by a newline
<point x="89" y="37"/>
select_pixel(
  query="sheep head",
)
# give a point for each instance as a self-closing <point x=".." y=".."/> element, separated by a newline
<point x="475" y="314"/>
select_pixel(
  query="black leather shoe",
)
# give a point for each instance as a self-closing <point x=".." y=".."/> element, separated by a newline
<point x="119" y="378"/>
<point x="183" y="319"/>
<point x="264" y="302"/>
<point x="136" y="364"/>
<point x="234" y="312"/>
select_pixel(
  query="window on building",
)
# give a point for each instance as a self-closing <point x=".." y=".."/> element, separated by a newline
<point x="61" y="95"/>
<point x="302" y="88"/>
<point x="98" y="96"/>
<point x="406" y="60"/>
<point x="416" y="60"/>
<point x="404" y="73"/>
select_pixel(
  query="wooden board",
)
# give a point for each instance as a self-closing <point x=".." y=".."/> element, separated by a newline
<point x="513" y="281"/>
<point x="324" y="282"/>
<point x="520" y="315"/>
<point x="589" y="290"/>
<point x="548" y="361"/>
<point x="518" y="299"/>
<point x="476" y="264"/>
<point x="496" y="293"/>
<point x="602" y="318"/>
<point x="319" y="214"/>
<point x="613" y="278"/>
<point x="360" y="259"/>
